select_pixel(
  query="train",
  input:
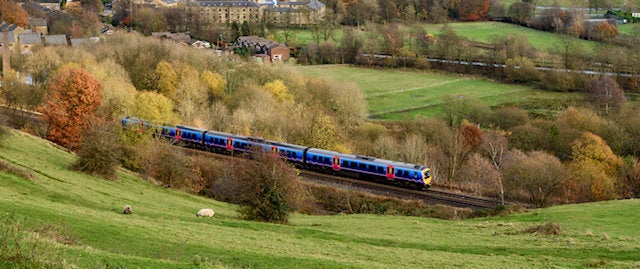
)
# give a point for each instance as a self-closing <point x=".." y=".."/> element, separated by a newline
<point x="406" y="175"/>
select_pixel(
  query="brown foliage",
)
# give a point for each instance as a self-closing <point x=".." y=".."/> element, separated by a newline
<point x="473" y="10"/>
<point x="604" y="31"/>
<point x="537" y="177"/>
<point x="13" y="13"/>
<point x="604" y="93"/>
<point x="632" y="184"/>
<point x="73" y="95"/>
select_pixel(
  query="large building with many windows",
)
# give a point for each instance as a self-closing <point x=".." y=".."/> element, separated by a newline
<point x="294" y="12"/>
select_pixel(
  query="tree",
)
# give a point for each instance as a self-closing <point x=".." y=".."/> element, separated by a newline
<point x="279" y="91"/>
<point x="465" y="138"/>
<point x="100" y="150"/>
<point x="506" y="118"/>
<point x="72" y="97"/>
<point x="459" y="108"/>
<point x="603" y="31"/>
<point x="494" y="146"/>
<point x="521" y="12"/>
<point x="153" y="107"/>
<point x="270" y="188"/>
<point x="473" y="10"/>
<point x="521" y="69"/>
<point x="595" y="169"/>
<point x="604" y="93"/>
<point x="167" y="79"/>
<point x="538" y="175"/>
<point x="13" y="13"/>
<point x="215" y="84"/>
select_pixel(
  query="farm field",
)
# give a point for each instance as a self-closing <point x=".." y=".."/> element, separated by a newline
<point x="573" y="3"/>
<point x="627" y="29"/>
<point x="485" y="32"/>
<point x="78" y="218"/>
<point x="401" y="94"/>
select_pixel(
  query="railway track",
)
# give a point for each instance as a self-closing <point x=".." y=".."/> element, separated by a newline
<point x="430" y="196"/>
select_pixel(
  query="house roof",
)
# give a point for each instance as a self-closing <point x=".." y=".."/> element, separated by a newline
<point x="47" y="1"/>
<point x="30" y="38"/>
<point x="227" y="4"/>
<point x="37" y="22"/>
<point x="55" y="39"/>
<point x="7" y="27"/>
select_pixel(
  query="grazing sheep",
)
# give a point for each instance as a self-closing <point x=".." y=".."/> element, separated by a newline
<point x="205" y="212"/>
<point x="127" y="210"/>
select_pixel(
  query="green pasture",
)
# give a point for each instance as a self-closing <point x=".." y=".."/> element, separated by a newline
<point x="302" y="37"/>
<point x="485" y="32"/>
<point x="628" y="28"/>
<point x="400" y="94"/>
<point x="77" y="217"/>
<point x="577" y="4"/>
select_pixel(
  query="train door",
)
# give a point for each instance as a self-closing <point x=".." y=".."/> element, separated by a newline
<point x="336" y="163"/>
<point x="178" y="134"/>
<point x="229" y="144"/>
<point x="274" y="150"/>
<point x="390" y="172"/>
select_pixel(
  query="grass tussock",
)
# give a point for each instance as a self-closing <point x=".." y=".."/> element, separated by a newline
<point x="544" y="229"/>
<point x="22" y="248"/>
<point x="11" y="169"/>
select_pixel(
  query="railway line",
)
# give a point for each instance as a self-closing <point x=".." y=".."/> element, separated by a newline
<point x="431" y="196"/>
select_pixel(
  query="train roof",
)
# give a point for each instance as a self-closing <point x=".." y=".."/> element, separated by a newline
<point x="369" y="159"/>
<point x="191" y="128"/>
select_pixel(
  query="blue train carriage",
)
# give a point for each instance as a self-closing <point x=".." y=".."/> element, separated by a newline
<point x="291" y="152"/>
<point x="406" y="174"/>
<point x="369" y="168"/>
<point x="219" y="142"/>
<point x="190" y="136"/>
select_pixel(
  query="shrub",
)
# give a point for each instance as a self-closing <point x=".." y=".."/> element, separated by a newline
<point x="269" y="188"/>
<point x="100" y="150"/>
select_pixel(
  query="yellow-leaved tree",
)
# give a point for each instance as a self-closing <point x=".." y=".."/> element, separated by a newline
<point x="279" y="90"/>
<point x="595" y="169"/>
<point x="153" y="107"/>
<point x="167" y="79"/>
<point x="215" y="84"/>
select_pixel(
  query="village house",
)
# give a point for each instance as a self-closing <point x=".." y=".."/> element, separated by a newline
<point x="265" y="49"/>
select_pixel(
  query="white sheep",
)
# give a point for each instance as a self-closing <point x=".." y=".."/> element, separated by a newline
<point x="205" y="212"/>
<point x="127" y="210"/>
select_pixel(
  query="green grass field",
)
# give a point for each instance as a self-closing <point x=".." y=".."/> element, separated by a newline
<point x="627" y="29"/>
<point x="485" y="32"/>
<point x="78" y="217"/>
<point x="400" y="94"/>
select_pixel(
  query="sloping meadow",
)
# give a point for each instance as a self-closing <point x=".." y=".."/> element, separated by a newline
<point x="76" y="220"/>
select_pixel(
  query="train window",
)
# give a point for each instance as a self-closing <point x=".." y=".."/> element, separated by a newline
<point x="314" y="158"/>
<point x="288" y="153"/>
<point x="380" y="170"/>
<point x="363" y="166"/>
<point x="405" y="174"/>
<point x="294" y="155"/>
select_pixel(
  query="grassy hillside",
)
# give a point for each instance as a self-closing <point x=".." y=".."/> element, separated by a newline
<point x="487" y="31"/>
<point x="79" y="217"/>
<point x="396" y="94"/>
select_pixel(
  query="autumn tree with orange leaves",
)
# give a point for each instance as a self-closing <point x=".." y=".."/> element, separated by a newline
<point x="473" y="10"/>
<point x="72" y="97"/>
<point x="11" y="12"/>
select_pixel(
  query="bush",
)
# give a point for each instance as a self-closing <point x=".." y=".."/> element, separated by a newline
<point x="166" y="165"/>
<point x="100" y="150"/>
<point x="269" y="188"/>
